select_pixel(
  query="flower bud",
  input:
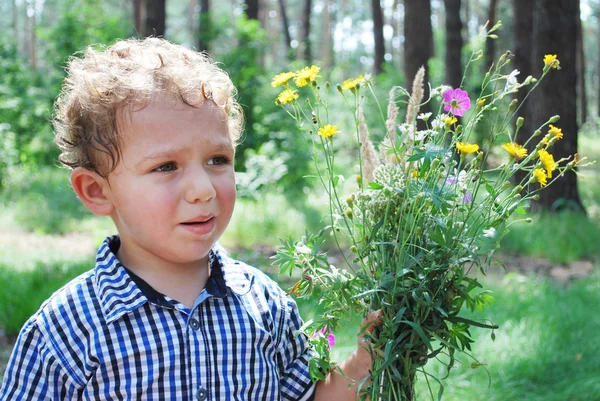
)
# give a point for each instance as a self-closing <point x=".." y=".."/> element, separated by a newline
<point x="520" y="122"/>
<point x="513" y="104"/>
<point x="327" y="84"/>
<point x="506" y="185"/>
<point x="536" y="197"/>
<point x="537" y="132"/>
<point x="349" y="201"/>
<point x="554" y="119"/>
<point x="528" y="220"/>
<point x="349" y="213"/>
<point x="339" y="88"/>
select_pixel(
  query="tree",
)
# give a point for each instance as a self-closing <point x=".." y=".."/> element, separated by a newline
<point x="418" y="40"/>
<point x="286" y="28"/>
<point x="149" y="17"/>
<point x="557" y="95"/>
<point x="581" y="88"/>
<point x="205" y="28"/>
<point x="454" y="43"/>
<point x="251" y="9"/>
<point x="306" y="45"/>
<point x="378" y="36"/>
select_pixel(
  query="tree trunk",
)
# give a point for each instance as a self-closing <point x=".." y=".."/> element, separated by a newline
<point x="581" y="88"/>
<point x="454" y="43"/>
<point x="327" y="43"/>
<point x="205" y="27"/>
<point x="33" y="46"/>
<point x="306" y="45"/>
<point x="138" y="15"/>
<point x="418" y="41"/>
<point x="490" y="44"/>
<point x="251" y="9"/>
<point x="152" y="17"/>
<point x="15" y="18"/>
<point x="378" y="36"/>
<point x="557" y="94"/>
<point x="286" y="29"/>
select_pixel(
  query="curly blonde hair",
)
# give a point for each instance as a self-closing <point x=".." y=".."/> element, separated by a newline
<point x="103" y="85"/>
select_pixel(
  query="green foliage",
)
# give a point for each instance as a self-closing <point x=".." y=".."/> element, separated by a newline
<point x="25" y="290"/>
<point x="43" y="199"/>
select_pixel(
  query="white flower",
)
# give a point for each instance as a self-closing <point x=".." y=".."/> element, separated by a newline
<point x="490" y="232"/>
<point x="511" y="81"/>
<point x="439" y="122"/>
<point x="301" y="248"/>
<point x="424" y="116"/>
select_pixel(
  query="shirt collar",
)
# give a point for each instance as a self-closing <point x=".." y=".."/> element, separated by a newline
<point x="120" y="291"/>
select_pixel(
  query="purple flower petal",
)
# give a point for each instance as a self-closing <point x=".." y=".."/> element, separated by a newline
<point x="456" y="101"/>
<point x="468" y="198"/>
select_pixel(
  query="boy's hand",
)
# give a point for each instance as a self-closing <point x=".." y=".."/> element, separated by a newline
<point x="355" y="368"/>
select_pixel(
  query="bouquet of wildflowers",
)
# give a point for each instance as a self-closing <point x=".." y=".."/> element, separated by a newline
<point x="427" y="211"/>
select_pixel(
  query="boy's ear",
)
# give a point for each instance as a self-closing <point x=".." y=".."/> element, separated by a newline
<point x="92" y="189"/>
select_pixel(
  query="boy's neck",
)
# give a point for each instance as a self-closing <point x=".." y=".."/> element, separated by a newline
<point x="183" y="283"/>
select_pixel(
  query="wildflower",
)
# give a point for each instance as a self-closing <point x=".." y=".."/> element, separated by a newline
<point x="456" y="101"/>
<point x="450" y="120"/>
<point x="481" y="103"/>
<point x="557" y="132"/>
<point x="465" y="148"/>
<point x="511" y="81"/>
<point x="352" y="83"/>
<point x="424" y="116"/>
<point x="306" y="75"/>
<point x="540" y="176"/>
<point x="415" y="173"/>
<point x="328" y="131"/>
<point x="490" y="232"/>
<point x="287" y="96"/>
<point x="544" y="141"/>
<point x="515" y="150"/>
<point x="282" y="79"/>
<point x="547" y="161"/>
<point x="325" y="332"/>
<point x="551" y="61"/>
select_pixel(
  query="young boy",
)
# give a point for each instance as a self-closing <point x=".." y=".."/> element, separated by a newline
<point x="149" y="130"/>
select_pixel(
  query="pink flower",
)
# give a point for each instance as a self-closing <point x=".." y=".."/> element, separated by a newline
<point x="456" y="101"/>
<point x="325" y="332"/>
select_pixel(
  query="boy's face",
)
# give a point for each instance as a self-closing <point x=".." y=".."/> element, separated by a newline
<point x="173" y="191"/>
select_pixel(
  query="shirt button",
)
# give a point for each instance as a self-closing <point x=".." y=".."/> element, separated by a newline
<point x="195" y="325"/>
<point x="202" y="394"/>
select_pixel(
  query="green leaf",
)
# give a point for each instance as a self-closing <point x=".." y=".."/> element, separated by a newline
<point x="375" y="185"/>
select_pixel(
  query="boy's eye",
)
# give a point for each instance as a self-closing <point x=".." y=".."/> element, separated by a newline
<point x="165" y="168"/>
<point x="219" y="160"/>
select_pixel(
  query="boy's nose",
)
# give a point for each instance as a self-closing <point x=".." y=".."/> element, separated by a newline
<point x="199" y="186"/>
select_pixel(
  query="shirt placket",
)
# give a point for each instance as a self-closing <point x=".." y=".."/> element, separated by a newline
<point x="199" y="363"/>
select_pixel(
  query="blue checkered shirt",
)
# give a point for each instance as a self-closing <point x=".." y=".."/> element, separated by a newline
<point x="108" y="335"/>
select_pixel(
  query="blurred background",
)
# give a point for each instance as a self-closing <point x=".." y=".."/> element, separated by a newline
<point x="546" y="297"/>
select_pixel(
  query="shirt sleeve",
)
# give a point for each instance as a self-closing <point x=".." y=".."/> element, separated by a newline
<point x="296" y="383"/>
<point x="33" y="373"/>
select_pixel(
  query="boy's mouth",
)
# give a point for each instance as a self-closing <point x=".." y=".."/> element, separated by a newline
<point x="197" y="222"/>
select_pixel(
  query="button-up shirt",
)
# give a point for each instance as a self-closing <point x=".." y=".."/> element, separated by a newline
<point x="108" y="335"/>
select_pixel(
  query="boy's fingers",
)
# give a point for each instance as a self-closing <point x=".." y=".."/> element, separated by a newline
<point x="373" y="320"/>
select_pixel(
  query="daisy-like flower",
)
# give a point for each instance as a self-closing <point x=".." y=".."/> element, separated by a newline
<point x="424" y="116"/>
<point x="456" y="101"/>
<point x="352" y="83"/>
<point x="282" y="79"/>
<point x="557" y="132"/>
<point x="551" y="61"/>
<point x="515" y="150"/>
<point x="540" y="176"/>
<point x="287" y="96"/>
<point x="450" y="120"/>
<point x="511" y="81"/>
<point x="328" y="131"/>
<point x="306" y="75"/>
<point x="547" y="161"/>
<point x="465" y="148"/>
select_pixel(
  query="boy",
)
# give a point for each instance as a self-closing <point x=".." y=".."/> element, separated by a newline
<point x="149" y="130"/>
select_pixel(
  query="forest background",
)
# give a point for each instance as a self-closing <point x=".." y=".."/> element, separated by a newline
<point x="547" y="345"/>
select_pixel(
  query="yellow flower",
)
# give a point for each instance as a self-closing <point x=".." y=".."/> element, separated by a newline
<point x="480" y="103"/>
<point x="465" y="148"/>
<point x="415" y="174"/>
<point x="544" y="141"/>
<point x="515" y="150"/>
<point x="557" y="132"/>
<point x="287" y="96"/>
<point x="282" y="79"/>
<point x="540" y="176"/>
<point x="551" y="61"/>
<point x="352" y="83"/>
<point x="306" y="75"/>
<point x="328" y="131"/>
<point x="450" y="120"/>
<point x="547" y="161"/>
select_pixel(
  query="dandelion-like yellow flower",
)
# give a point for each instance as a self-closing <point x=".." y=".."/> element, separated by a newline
<point x="547" y="161"/>
<point x="557" y="132"/>
<point x="450" y="120"/>
<point x="464" y="148"/>
<point x="551" y="61"/>
<point x="480" y="102"/>
<point x="287" y="96"/>
<point x="282" y="79"/>
<point x="328" y="131"/>
<point x="415" y="174"/>
<point x="540" y="176"/>
<point x="306" y="75"/>
<point x="544" y="141"/>
<point x="352" y="83"/>
<point x="515" y="150"/>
